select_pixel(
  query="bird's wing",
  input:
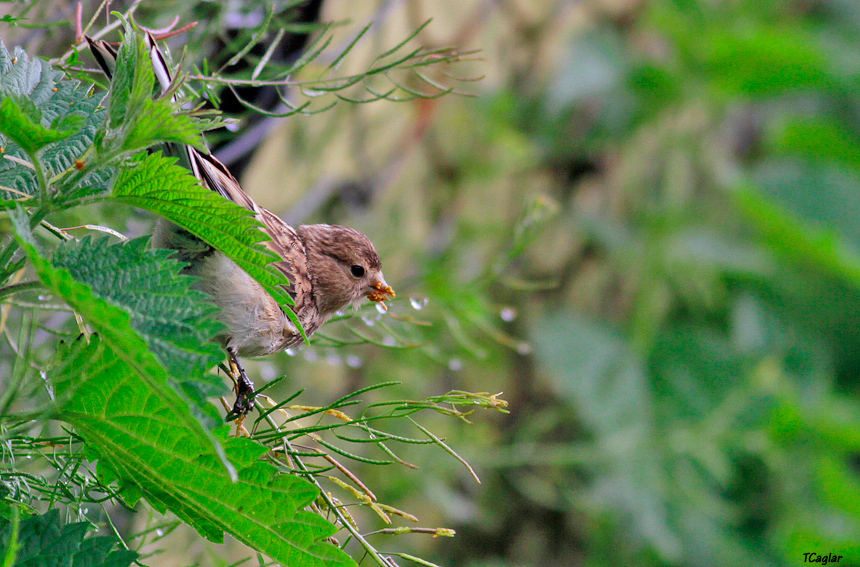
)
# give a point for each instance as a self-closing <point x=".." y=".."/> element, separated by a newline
<point x="287" y="244"/>
<point x="285" y="241"/>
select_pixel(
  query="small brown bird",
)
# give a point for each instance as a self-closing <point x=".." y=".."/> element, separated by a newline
<point x="329" y="267"/>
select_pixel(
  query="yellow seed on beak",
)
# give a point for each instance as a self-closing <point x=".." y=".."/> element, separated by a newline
<point x="381" y="294"/>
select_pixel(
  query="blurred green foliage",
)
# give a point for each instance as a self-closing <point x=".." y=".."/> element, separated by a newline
<point x="701" y="352"/>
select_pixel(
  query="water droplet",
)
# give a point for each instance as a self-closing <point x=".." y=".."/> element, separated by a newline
<point x="290" y="352"/>
<point x="86" y="510"/>
<point x="524" y="348"/>
<point x="380" y="308"/>
<point x="389" y="341"/>
<point x="353" y="361"/>
<point x="333" y="359"/>
<point x="455" y="364"/>
<point x="418" y="304"/>
<point x="508" y="314"/>
<point x="159" y="532"/>
<point x="48" y="386"/>
<point x="339" y="313"/>
<point x="268" y="372"/>
<point x="29" y="456"/>
<point x="368" y="321"/>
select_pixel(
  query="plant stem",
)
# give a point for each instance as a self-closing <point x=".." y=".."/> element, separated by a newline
<point x="332" y="506"/>
<point x="40" y="177"/>
<point x="19" y="287"/>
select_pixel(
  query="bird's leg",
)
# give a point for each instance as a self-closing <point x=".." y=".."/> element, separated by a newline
<point x="243" y="386"/>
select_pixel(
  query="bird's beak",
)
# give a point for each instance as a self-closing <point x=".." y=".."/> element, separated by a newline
<point x="381" y="293"/>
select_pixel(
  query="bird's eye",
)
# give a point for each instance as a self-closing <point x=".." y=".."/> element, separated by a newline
<point x="357" y="270"/>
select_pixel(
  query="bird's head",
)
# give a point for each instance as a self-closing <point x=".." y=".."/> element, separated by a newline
<point x="344" y="267"/>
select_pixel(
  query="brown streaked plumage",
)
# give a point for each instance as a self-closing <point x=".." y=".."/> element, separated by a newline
<point x="317" y="259"/>
<point x="329" y="267"/>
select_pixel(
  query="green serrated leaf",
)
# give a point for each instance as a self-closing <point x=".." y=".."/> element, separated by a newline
<point x="44" y="542"/>
<point x="135" y="432"/>
<point x="54" y="108"/>
<point x="160" y="122"/>
<point x="22" y="76"/>
<point x="174" y="319"/>
<point x="133" y="79"/>
<point x="155" y="183"/>
<point x="115" y="327"/>
<point x="21" y="127"/>
<point x="137" y="118"/>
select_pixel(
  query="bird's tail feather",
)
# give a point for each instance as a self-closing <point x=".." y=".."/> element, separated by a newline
<point x="106" y="55"/>
<point x="213" y="174"/>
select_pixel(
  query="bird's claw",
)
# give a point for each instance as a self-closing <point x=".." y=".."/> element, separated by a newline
<point x="244" y="391"/>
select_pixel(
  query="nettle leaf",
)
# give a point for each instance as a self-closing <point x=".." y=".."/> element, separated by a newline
<point x="44" y="111"/>
<point x="138" y="121"/>
<point x="174" y="319"/>
<point x="20" y="75"/>
<point x="44" y="542"/>
<point x="159" y="123"/>
<point x="131" y="84"/>
<point x="157" y="184"/>
<point x="25" y="128"/>
<point x="115" y="328"/>
<point x="135" y="432"/>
